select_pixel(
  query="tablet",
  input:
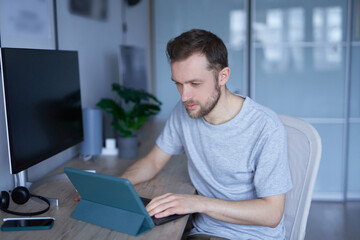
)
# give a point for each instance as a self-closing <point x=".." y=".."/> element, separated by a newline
<point x="111" y="202"/>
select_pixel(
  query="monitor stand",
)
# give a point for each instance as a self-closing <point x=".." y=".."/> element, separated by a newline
<point x="20" y="179"/>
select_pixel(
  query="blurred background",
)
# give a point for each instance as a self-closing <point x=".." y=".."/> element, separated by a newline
<point x="300" y="58"/>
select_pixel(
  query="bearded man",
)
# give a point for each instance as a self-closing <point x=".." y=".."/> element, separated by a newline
<point x="236" y="149"/>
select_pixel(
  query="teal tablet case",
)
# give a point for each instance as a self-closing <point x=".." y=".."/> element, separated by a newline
<point x="110" y="202"/>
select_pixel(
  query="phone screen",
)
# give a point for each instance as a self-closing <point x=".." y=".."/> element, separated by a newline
<point x="30" y="224"/>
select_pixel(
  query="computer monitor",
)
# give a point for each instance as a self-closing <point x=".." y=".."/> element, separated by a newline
<point x="42" y="104"/>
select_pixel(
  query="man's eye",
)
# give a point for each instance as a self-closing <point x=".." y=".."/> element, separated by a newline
<point x="195" y="84"/>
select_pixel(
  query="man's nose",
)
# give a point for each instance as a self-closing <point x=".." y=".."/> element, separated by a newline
<point x="185" y="94"/>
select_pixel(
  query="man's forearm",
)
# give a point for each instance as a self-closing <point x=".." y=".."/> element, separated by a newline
<point x="147" y="167"/>
<point x="266" y="211"/>
<point x="263" y="211"/>
<point x="141" y="171"/>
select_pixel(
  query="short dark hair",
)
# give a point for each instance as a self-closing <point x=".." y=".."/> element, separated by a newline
<point x="201" y="41"/>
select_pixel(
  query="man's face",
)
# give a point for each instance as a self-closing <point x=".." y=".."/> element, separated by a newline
<point x="199" y="89"/>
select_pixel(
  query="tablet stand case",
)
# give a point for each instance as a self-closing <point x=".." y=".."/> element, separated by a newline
<point x="90" y="208"/>
<point x="112" y="218"/>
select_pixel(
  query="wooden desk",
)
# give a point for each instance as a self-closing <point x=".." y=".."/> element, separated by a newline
<point x="173" y="178"/>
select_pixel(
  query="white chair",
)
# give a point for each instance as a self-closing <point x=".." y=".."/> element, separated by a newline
<point x="304" y="153"/>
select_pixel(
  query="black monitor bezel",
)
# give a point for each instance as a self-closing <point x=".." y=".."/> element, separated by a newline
<point x="16" y="167"/>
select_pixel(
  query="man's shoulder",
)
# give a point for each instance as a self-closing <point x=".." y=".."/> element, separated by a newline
<point x="179" y="112"/>
<point x="263" y="115"/>
<point x="178" y="116"/>
<point x="178" y="108"/>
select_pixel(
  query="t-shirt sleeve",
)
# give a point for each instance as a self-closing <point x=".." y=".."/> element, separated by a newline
<point x="272" y="174"/>
<point x="170" y="140"/>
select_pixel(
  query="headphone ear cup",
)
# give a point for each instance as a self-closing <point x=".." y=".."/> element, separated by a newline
<point x="5" y="200"/>
<point x="20" y="195"/>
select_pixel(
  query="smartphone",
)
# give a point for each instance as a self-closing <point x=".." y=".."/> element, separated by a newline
<point x="23" y="224"/>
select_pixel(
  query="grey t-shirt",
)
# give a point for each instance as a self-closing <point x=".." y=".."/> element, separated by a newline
<point x="244" y="158"/>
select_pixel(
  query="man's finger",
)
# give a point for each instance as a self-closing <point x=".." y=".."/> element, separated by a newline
<point x="158" y="201"/>
<point x="77" y="197"/>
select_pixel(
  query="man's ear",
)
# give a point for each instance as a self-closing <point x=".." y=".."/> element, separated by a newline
<point x="224" y="75"/>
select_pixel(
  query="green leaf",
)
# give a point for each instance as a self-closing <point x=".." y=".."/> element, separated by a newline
<point x="132" y="111"/>
<point x="111" y="107"/>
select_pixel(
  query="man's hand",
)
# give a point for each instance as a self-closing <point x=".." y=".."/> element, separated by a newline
<point x="77" y="197"/>
<point x="170" y="203"/>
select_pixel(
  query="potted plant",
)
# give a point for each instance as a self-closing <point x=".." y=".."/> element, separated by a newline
<point x="130" y="112"/>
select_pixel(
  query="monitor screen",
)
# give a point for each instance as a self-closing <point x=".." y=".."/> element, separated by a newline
<point x="42" y="104"/>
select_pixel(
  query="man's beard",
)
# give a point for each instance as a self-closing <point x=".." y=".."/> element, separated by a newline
<point x="209" y="105"/>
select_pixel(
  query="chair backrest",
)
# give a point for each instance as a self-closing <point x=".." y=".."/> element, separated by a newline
<point x="304" y="153"/>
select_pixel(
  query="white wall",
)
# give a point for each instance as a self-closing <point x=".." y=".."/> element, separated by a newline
<point x="97" y="42"/>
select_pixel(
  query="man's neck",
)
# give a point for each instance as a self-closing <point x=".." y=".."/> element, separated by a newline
<point x="228" y="106"/>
